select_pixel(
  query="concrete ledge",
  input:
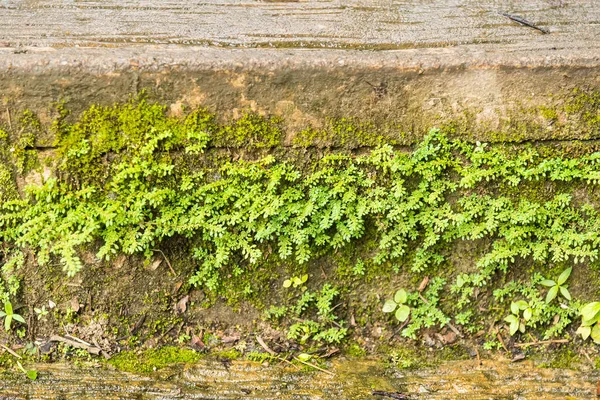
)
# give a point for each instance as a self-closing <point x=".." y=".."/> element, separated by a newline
<point x="418" y="66"/>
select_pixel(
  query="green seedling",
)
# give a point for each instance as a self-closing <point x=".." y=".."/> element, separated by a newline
<point x="295" y="281"/>
<point x="30" y="373"/>
<point x="9" y="315"/>
<point x="516" y="322"/>
<point x="397" y="304"/>
<point x="41" y="312"/>
<point x="558" y="285"/>
<point x="590" y="317"/>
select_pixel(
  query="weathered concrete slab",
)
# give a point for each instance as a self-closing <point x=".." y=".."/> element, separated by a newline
<point x="288" y="23"/>
<point x="308" y="61"/>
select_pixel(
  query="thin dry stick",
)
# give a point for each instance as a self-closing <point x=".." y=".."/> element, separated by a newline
<point x="78" y="340"/>
<point x="447" y="323"/>
<point x="9" y="119"/>
<point x="542" y="342"/>
<point x="11" y="351"/>
<point x="264" y="346"/>
<point x="167" y="260"/>
<point x="271" y="352"/>
<point x="73" y="343"/>
<point x="287" y="361"/>
<point x="587" y="356"/>
<point x="314" y="366"/>
<point x="501" y="341"/>
<point x="403" y="325"/>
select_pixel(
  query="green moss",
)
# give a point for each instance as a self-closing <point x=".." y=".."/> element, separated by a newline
<point x="355" y="350"/>
<point x="250" y="131"/>
<point x="407" y="358"/>
<point x="6" y="360"/>
<point x="8" y="187"/>
<point x="152" y="360"/>
<point x="548" y="113"/>
<point x="348" y="133"/>
<point x="585" y="106"/>
<point x="260" y="357"/>
<point x="229" y="354"/>
<point x="564" y="358"/>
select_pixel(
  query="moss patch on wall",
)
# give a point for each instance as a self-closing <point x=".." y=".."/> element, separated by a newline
<point x="238" y="214"/>
<point x="153" y="360"/>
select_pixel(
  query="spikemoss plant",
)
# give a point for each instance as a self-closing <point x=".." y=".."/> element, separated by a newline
<point x="132" y="177"/>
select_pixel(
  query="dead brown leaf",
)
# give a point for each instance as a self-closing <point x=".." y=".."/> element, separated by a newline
<point x="449" y="337"/>
<point x="197" y="342"/>
<point x="177" y="287"/>
<point x="120" y="261"/>
<point x="155" y="264"/>
<point x="181" y="305"/>
<point x="75" y="304"/>
<point x="231" y="339"/>
<point x="423" y="284"/>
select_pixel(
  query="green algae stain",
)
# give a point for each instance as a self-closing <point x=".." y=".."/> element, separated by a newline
<point x="154" y="359"/>
<point x="346" y="133"/>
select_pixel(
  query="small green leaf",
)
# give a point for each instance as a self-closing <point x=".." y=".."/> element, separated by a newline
<point x="588" y="322"/>
<point x="590" y="311"/>
<point x="514" y="327"/>
<point x="2" y="314"/>
<point x="8" y="308"/>
<point x="514" y="308"/>
<point x="17" y="317"/>
<point x="564" y="276"/>
<point x="389" y="306"/>
<point x="584" y="331"/>
<point x="527" y="314"/>
<point x="402" y="313"/>
<point x="522" y="304"/>
<point x="514" y="324"/>
<point x="304" y="357"/>
<point x="287" y="283"/>
<point x="21" y="367"/>
<point x="565" y="292"/>
<point x="595" y="334"/>
<point x="548" y="282"/>
<point x="304" y="278"/>
<point x="400" y="296"/>
<point x="551" y="294"/>
<point x="7" y="322"/>
<point x="522" y="327"/>
<point x="32" y="374"/>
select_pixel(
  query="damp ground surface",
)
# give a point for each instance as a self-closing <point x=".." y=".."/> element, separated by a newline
<point x="352" y="380"/>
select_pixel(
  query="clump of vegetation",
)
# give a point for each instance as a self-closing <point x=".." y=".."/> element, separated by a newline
<point x="314" y="313"/>
<point x="131" y="177"/>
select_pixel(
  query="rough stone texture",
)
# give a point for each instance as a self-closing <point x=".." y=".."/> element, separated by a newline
<point x="439" y="61"/>
<point x="309" y="23"/>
